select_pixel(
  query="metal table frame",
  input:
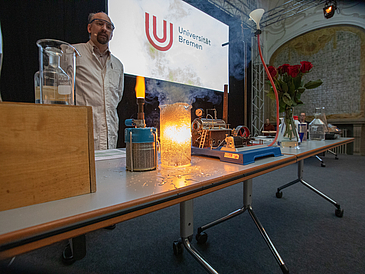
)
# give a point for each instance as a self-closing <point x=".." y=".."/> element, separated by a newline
<point x="186" y="229"/>
<point x="301" y="154"/>
<point x="279" y="194"/>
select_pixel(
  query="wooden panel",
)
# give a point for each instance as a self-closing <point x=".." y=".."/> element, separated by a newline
<point x="46" y="153"/>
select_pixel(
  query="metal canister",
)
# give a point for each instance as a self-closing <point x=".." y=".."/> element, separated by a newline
<point x="141" y="148"/>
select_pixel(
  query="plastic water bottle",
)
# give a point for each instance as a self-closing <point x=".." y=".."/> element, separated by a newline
<point x="296" y="122"/>
<point x="281" y="128"/>
<point x="302" y="130"/>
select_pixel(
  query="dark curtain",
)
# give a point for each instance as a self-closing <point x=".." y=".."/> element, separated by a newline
<point x="23" y="22"/>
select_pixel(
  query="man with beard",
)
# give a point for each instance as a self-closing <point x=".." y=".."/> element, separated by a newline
<point x="100" y="80"/>
<point x="99" y="84"/>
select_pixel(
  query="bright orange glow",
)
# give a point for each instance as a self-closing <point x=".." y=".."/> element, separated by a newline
<point x="175" y="134"/>
<point x="329" y="9"/>
<point x="140" y="87"/>
<point x="230" y="168"/>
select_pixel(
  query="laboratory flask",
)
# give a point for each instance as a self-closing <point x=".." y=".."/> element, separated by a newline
<point x="54" y="83"/>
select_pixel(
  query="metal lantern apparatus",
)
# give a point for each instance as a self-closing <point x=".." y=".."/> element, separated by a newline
<point x="141" y="141"/>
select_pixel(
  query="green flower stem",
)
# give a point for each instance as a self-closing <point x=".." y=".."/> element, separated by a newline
<point x="290" y="129"/>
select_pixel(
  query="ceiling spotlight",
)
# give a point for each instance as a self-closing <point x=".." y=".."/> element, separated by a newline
<point x="329" y="9"/>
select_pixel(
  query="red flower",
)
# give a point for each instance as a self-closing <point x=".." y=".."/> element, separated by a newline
<point x="273" y="71"/>
<point x="289" y="85"/>
<point x="306" y="66"/>
<point x="284" y="69"/>
<point x="294" y="70"/>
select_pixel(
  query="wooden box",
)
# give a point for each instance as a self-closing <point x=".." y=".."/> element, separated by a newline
<point x="46" y="153"/>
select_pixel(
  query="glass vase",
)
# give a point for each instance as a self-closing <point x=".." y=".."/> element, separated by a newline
<point x="290" y="137"/>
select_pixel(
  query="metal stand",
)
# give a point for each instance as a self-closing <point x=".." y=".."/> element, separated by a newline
<point x="322" y="163"/>
<point x="319" y="159"/>
<point x="186" y="233"/>
<point x="201" y="237"/>
<point x="279" y="194"/>
<point x="333" y="153"/>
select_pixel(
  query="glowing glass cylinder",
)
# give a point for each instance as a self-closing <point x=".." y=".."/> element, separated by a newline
<point x="175" y="134"/>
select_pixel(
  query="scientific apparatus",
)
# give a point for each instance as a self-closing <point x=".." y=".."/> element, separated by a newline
<point x="141" y="141"/>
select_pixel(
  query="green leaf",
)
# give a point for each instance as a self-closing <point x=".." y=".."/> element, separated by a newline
<point x="298" y="81"/>
<point x="301" y="90"/>
<point x="297" y="96"/>
<point x="282" y="106"/>
<point x="287" y="99"/>
<point x="271" y="94"/>
<point x="291" y="88"/>
<point x="313" y="84"/>
<point x="284" y="87"/>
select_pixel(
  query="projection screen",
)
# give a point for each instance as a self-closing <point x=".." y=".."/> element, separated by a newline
<point x="170" y="40"/>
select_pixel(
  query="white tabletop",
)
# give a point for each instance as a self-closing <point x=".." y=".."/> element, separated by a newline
<point x="308" y="148"/>
<point x="119" y="191"/>
<point x="118" y="188"/>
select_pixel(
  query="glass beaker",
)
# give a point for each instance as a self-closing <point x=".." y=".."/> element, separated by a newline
<point x="175" y="134"/>
<point x="317" y="128"/>
<point x="54" y="83"/>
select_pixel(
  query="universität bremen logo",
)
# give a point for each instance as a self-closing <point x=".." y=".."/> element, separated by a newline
<point x="158" y="42"/>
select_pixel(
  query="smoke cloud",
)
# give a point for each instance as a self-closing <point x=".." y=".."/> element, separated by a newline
<point x="170" y="93"/>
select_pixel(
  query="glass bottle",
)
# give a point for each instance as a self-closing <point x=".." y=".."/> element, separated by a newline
<point x="317" y="127"/>
<point x="323" y="118"/>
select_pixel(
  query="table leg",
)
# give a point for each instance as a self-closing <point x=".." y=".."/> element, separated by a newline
<point x="279" y="194"/>
<point x="333" y="153"/>
<point x="75" y="250"/>
<point x="186" y="233"/>
<point x="247" y="201"/>
<point x="322" y="162"/>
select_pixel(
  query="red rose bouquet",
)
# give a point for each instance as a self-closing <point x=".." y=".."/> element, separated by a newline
<point x="288" y="82"/>
<point x="290" y="87"/>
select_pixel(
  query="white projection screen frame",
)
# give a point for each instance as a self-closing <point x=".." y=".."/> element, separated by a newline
<point x="170" y="40"/>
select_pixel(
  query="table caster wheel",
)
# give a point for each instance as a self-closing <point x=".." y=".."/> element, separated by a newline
<point x="201" y="238"/>
<point x="279" y="194"/>
<point x="177" y="247"/>
<point x="339" y="213"/>
<point x="323" y="165"/>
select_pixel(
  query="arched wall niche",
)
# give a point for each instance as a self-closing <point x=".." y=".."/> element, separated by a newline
<point x="347" y="13"/>
<point x="338" y="56"/>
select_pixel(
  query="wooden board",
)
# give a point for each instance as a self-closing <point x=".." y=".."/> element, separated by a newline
<point x="46" y="153"/>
